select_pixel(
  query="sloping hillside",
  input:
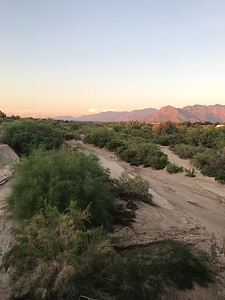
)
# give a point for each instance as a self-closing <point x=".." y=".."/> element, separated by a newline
<point x="195" y="113"/>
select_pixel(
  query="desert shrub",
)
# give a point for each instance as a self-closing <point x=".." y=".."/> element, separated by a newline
<point x="169" y="139"/>
<point x="143" y="272"/>
<point x="165" y="128"/>
<point x="181" y="266"/>
<point x="24" y="136"/>
<point x="220" y="175"/>
<point x="173" y="168"/>
<point x="57" y="257"/>
<point x="155" y="159"/>
<point x="146" y="154"/>
<point x="59" y="177"/>
<point x="190" y="172"/>
<point x="129" y="154"/>
<point x="114" y="144"/>
<point x="99" y="137"/>
<point x="203" y="158"/>
<point x="150" y="156"/>
<point x="207" y="161"/>
<point x="55" y="254"/>
<point x="184" y="151"/>
<point x="135" y="188"/>
<point x="212" y="163"/>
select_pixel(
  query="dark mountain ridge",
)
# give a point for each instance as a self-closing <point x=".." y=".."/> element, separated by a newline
<point x="194" y="113"/>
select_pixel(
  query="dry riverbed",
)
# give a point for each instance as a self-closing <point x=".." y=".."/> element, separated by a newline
<point x="186" y="209"/>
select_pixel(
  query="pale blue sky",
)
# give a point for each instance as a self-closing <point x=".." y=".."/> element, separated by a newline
<point x="66" y="57"/>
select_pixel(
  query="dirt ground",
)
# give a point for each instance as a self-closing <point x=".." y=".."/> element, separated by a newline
<point x="186" y="209"/>
<point x="6" y="239"/>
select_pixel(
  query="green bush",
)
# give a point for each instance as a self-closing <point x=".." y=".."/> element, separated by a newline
<point x="212" y="163"/>
<point x="165" y="128"/>
<point x="146" y="154"/>
<point x="173" y="168"/>
<point x="220" y="176"/>
<point x="184" y="151"/>
<point x="24" y="136"/>
<point x="190" y="172"/>
<point x="179" y="265"/>
<point x="143" y="273"/>
<point x="99" y="137"/>
<point x="135" y="188"/>
<point x="60" y="177"/>
<point x="156" y="160"/>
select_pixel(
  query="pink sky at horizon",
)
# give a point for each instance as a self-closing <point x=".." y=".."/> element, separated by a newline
<point x="54" y="113"/>
<point x="81" y="57"/>
<point x="40" y="114"/>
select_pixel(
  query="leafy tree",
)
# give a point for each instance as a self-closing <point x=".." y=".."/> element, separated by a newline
<point x="60" y="177"/>
<point x="26" y="135"/>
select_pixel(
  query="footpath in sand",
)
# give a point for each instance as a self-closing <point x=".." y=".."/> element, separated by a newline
<point x="188" y="209"/>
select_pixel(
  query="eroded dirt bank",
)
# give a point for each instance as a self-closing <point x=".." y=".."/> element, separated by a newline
<point x="6" y="239"/>
<point x="7" y="158"/>
<point x="187" y="209"/>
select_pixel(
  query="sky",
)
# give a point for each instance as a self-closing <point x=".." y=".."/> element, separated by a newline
<point x="70" y="57"/>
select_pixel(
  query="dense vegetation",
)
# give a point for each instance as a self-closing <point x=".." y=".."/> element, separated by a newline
<point x="57" y="257"/>
<point x="59" y="177"/>
<point x="133" y="147"/>
<point x="136" y="143"/>
<point x="66" y="203"/>
<point x="26" y="135"/>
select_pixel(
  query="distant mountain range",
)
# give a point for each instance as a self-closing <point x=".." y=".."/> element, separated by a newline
<point x="194" y="113"/>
